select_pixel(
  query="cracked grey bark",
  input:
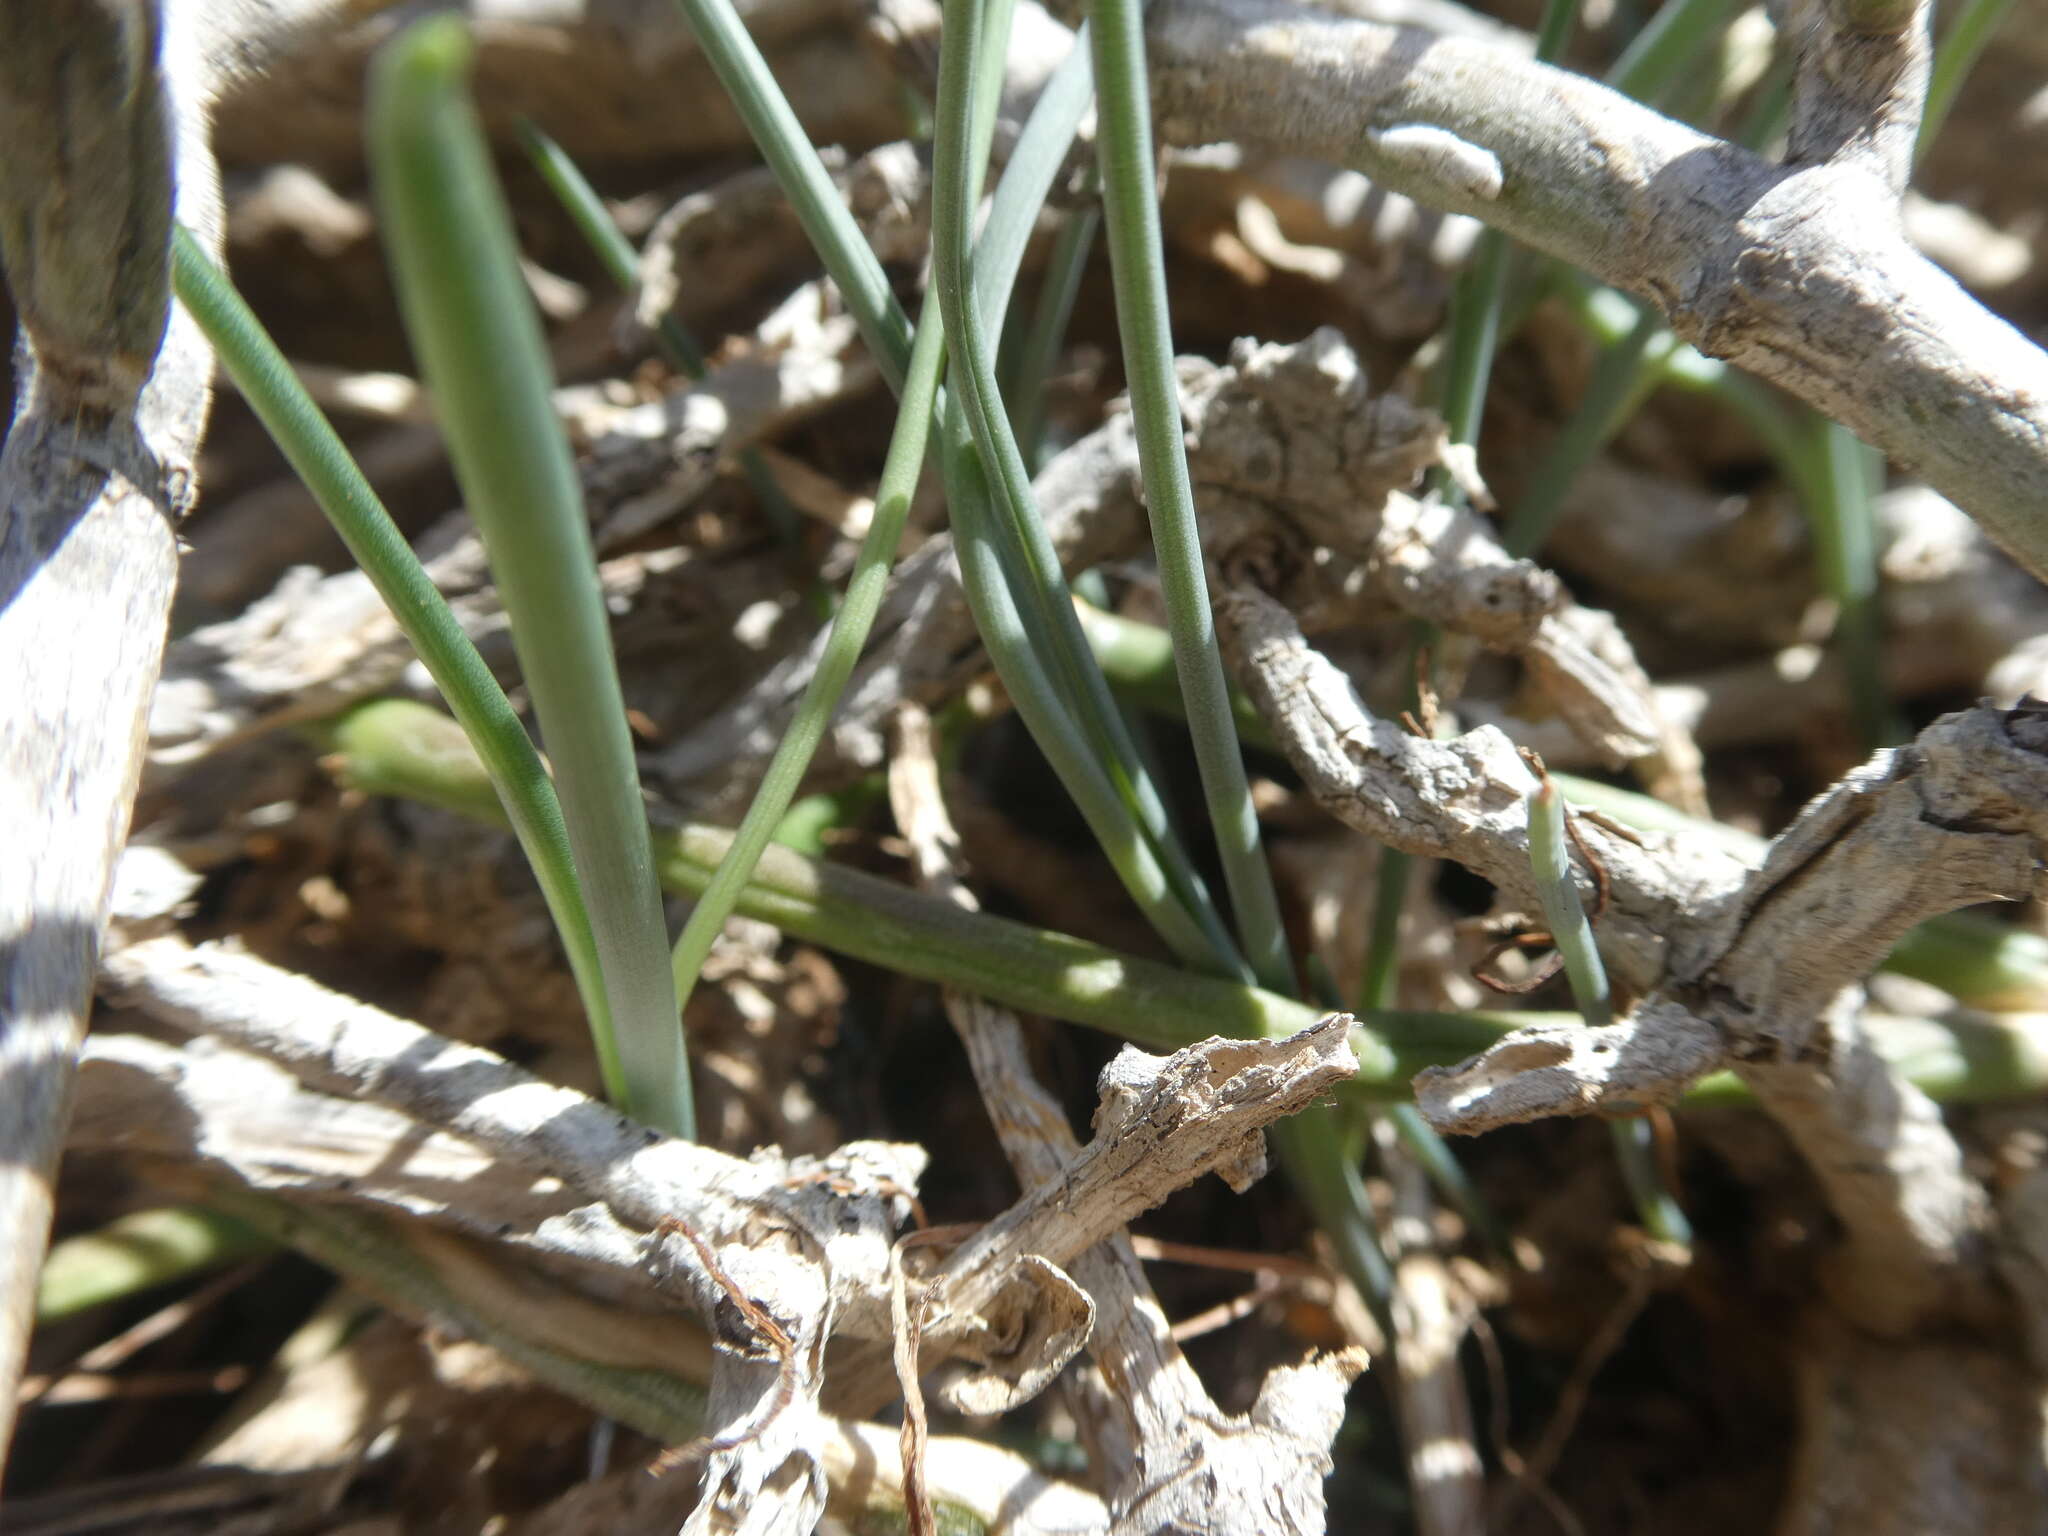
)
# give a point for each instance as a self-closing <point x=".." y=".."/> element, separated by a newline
<point x="1801" y="273"/>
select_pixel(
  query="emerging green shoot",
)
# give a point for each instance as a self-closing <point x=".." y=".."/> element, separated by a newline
<point x="1572" y="933"/>
<point x="483" y="355"/>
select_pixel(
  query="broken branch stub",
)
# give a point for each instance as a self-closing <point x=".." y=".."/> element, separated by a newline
<point x="1164" y="1122"/>
<point x="1296" y="457"/>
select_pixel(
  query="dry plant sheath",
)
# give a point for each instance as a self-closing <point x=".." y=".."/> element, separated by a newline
<point x="107" y="146"/>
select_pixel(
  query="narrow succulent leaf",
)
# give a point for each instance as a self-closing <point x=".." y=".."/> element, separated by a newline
<point x="482" y="353"/>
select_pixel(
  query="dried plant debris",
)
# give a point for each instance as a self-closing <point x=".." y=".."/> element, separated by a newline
<point x="935" y="1264"/>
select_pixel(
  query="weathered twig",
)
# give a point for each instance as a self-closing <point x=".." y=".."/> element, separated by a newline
<point x="641" y="90"/>
<point x="517" y="1163"/>
<point x="1431" y="1315"/>
<point x="765" y="1473"/>
<point x="1801" y="273"/>
<point x="1858" y="86"/>
<point x="1460" y="799"/>
<point x="1750" y="970"/>
<point x="1163" y="1123"/>
<point x="640" y="1368"/>
<point x="1131" y="1341"/>
<point x="1180" y="1461"/>
<point x="1289" y="437"/>
<point x="506" y="1250"/>
<point x="1756" y="971"/>
<point x="488" y="1143"/>
<point x="332" y="1043"/>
